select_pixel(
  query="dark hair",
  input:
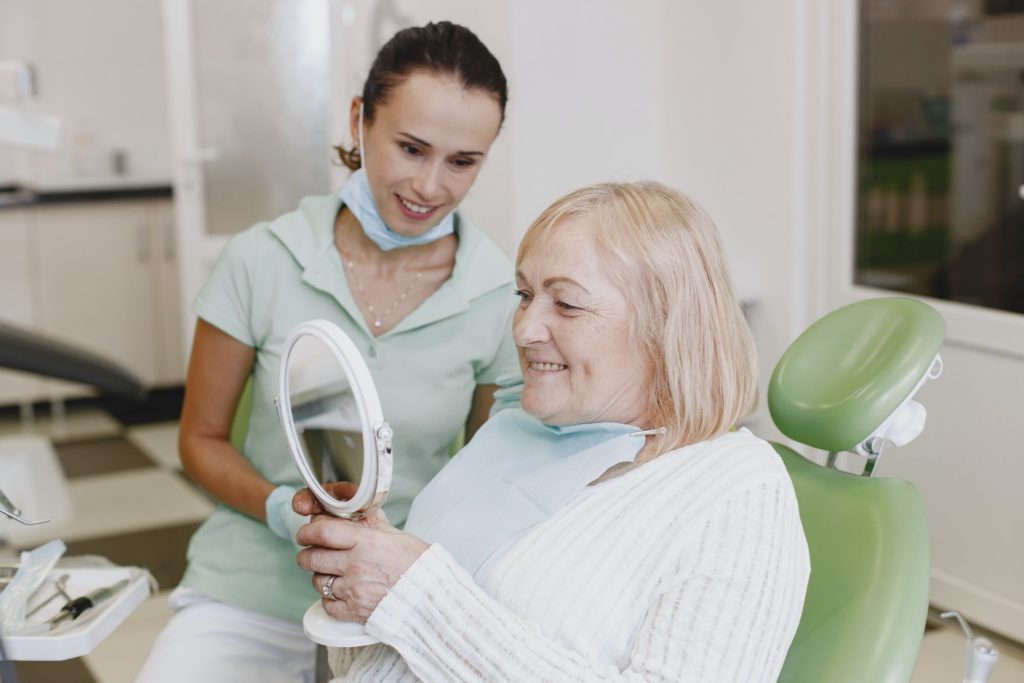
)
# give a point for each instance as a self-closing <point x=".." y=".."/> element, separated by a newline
<point x="441" y="48"/>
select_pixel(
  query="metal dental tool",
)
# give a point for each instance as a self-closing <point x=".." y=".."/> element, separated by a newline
<point x="14" y="512"/>
<point x="75" y="607"/>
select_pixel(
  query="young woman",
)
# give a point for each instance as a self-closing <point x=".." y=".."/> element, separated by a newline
<point x="422" y="292"/>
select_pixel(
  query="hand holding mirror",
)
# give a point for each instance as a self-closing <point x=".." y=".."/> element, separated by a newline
<point x="335" y="429"/>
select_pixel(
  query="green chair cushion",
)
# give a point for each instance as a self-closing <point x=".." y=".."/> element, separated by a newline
<point x="867" y="598"/>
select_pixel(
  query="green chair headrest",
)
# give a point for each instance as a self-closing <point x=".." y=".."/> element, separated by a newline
<point x="851" y="369"/>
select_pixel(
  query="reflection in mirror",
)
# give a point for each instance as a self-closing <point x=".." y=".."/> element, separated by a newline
<point x="325" y="413"/>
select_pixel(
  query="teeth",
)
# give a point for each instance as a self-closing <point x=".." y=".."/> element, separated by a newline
<point x="548" y="367"/>
<point x="415" y="208"/>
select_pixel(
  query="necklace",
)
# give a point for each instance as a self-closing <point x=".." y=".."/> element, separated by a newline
<point x="378" y="318"/>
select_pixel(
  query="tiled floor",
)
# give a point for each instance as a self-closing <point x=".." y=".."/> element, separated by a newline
<point x="134" y="506"/>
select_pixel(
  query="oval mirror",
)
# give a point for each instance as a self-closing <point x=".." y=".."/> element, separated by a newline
<point x="335" y="428"/>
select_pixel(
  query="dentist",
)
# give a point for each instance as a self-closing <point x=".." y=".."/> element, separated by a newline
<point x="422" y="292"/>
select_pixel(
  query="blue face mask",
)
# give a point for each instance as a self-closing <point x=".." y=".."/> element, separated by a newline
<point x="515" y="473"/>
<point x="358" y="197"/>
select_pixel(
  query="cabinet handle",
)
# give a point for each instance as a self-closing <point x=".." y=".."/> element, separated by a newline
<point x="142" y="242"/>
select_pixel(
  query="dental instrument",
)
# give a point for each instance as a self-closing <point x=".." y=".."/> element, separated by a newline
<point x="74" y="608"/>
<point x="11" y="510"/>
<point x="980" y="655"/>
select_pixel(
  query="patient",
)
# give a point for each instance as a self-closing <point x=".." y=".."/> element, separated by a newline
<point x="614" y="528"/>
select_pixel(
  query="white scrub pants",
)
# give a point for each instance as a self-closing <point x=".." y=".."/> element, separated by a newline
<point x="209" y="641"/>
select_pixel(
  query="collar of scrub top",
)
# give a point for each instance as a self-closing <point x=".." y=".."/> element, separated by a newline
<point x="515" y="473"/>
<point x="308" y="234"/>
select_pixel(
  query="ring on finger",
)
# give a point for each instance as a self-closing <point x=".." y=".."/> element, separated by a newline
<point x="325" y="589"/>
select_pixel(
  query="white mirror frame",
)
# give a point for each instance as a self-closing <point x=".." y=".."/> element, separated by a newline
<point x="377" y="435"/>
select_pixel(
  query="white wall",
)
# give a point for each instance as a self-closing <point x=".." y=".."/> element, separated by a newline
<point x="731" y="86"/>
<point x="969" y="467"/>
<point x="99" y="66"/>
<point x="588" y="101"/>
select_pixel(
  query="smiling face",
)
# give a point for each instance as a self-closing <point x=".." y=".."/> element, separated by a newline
<point x="424" y="148"/>
<point x="572" y="331"/>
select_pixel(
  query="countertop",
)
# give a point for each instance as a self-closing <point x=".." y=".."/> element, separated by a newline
<point x="18" y="195"/>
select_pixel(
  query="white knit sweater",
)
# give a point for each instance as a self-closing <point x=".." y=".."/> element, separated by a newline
<point x="691" y="567"/>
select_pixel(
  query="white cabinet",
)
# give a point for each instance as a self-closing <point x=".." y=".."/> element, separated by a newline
<point x="101" y="276"/>
<point x="17" y="301"/>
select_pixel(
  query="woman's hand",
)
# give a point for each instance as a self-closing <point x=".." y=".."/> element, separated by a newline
<point x="366" y="558"/>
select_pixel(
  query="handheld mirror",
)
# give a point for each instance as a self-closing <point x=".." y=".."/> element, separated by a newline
<point x="335" y="428"/>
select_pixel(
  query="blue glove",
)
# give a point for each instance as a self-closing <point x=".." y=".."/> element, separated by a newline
<point x="281" y="519"/>
<point x="510" y="388"/>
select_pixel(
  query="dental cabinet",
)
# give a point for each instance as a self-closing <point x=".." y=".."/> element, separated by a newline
<point x="97" y="269"/>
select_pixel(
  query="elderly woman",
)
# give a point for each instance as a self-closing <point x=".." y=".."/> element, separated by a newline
<point x="614" y="528"/>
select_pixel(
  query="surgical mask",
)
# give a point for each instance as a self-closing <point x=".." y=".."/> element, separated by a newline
<point x="358" y="197"/>
<point x="515" y="473"/>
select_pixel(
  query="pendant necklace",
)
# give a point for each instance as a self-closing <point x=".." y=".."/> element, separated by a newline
<point x="378" y="318"/>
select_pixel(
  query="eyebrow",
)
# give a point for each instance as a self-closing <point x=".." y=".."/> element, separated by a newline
<point x="419" y="141"/>
<point x="558" y="279"/>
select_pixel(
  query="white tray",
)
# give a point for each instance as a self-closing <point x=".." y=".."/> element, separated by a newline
<point x="88" y="630"/>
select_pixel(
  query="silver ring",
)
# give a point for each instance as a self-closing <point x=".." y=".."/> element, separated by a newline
<point x="325" y="589"/>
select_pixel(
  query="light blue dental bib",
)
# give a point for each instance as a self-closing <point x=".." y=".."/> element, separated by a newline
<point x="516" y="472"/>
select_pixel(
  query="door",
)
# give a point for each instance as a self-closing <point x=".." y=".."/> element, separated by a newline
<point x="249" y="84"/>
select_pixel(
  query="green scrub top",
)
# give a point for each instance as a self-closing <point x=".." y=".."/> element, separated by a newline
<point x="276" y="275"/>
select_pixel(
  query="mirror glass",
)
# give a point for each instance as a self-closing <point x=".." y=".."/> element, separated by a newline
<point x="326" y="417"/>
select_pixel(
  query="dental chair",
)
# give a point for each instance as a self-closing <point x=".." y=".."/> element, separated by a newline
<point x="846" y="384"/>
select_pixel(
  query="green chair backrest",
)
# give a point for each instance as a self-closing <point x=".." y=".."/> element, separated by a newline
<point x="867" y="598"/>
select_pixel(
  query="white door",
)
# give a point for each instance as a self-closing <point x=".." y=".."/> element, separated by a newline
<point x="249" y="92"/>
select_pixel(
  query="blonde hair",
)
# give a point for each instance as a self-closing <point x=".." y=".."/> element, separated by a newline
<point x="663" y="252"/>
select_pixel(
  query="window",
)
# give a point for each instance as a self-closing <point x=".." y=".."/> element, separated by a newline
<point x="940" y="182"/>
